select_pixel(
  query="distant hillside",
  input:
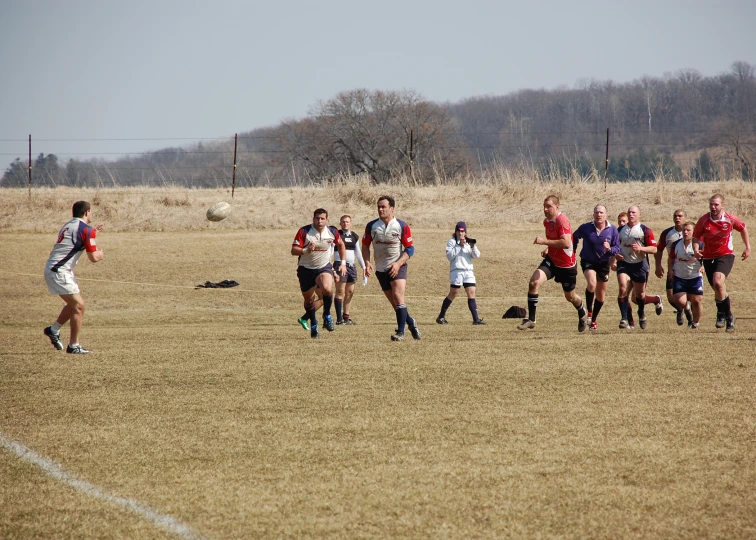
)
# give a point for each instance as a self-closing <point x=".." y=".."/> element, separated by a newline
<point x="682" y="125"/>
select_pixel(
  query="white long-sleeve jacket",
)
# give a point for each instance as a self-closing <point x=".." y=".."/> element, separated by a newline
<point x="460" y="257"/>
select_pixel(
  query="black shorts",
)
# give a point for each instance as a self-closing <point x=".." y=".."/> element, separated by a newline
<point x="721" y="264"/>
<point x="601" y="269"/>
<point x="567" y="277"/>
<point x="307" y="276"/>
<point x="385" y="280"/>
<point x="638" y="272"/>
<point x="351" y="275"/>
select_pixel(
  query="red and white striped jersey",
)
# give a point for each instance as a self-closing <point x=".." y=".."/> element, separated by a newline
<point x="716" y="234"/>
<point x="641" y="235"/>
<point x="388" y="240"/>
<point x="322" y="245"/>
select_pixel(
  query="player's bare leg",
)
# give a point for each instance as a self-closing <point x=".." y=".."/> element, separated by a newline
<point x="536" y="280"/>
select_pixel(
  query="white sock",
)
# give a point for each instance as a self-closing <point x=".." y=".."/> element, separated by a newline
<point x="56" y="327"/>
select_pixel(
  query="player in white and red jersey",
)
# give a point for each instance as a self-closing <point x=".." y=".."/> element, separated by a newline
<point x="669" y="236"/>
<point x="391" y="239"/>
<point x="636" y="242"/>
<point x="685" y="270"/>
<point x="74" y="238"/>
<point x="314" y="246"/>
<point x="559" y="262"/>
<point x="714" y="231"/>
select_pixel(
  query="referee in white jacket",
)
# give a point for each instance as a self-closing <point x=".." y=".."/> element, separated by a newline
<point x="461" y="251"/>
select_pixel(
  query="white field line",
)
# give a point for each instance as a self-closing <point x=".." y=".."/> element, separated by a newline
<point x="53" y="469"/>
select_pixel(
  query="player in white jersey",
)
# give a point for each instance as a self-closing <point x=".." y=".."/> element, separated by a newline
<point x="669" y="236"/>
<point x="314" y="245"/>
<point x="74" y="238"/>
<point x="685" y="269"/>
<point x="393" y="247"/>
<point x="345" y="287"/>
<point x="461" y="250"/>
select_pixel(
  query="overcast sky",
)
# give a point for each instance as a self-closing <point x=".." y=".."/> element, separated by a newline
<point x="158" y="73"/>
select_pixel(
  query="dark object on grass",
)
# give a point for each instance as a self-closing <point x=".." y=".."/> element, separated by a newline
<point x="515" y="312"/>
<point x="225" y="284"/>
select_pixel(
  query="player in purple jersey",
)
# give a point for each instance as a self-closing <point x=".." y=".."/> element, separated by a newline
<point x="74" y="238"/>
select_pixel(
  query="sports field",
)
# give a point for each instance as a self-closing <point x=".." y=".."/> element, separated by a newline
<point x="211" y="414"/>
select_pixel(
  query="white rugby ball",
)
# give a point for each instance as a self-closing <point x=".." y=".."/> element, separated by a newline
<point x="219" y="211"/>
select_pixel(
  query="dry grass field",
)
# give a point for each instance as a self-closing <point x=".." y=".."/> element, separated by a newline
<point x="212" y="414"/>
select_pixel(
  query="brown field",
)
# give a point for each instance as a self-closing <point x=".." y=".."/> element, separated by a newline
<point x="215" y="408"/>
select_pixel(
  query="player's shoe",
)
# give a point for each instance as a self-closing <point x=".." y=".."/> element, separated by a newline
<point x="659" y="307"/>
<point x="77" y="349"/>
<point x="693" y="325"/>
<point x="680" y="317"/>
<point x="415" y="331"/>
<point x="328" y="323"/>
<point x="642" y="322"/>
<point x="54" y="338"/>
<point x="720" y="320"/>
<point x="730" y="324"/>
<point x="593" y="326"/>
<point x="399" y="336"/>
<point x="348" y="320"/>
<point x="479" y="322"/>
<point x="589" y="318"/>
<point x="526" y="324"/>
<point x="304" y="323"/>
<point x="582" y="323"/>
<point x="631" y="327"/>
<point x="339" y="322"/>
<point x="441" y="320"/>
<point x="314" y="334"/>
<point x="624" y="324"/>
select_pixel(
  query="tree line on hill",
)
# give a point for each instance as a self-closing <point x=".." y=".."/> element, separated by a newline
<point x="683" y="126"/>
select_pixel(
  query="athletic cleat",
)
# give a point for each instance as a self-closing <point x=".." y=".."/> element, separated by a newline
<point x="526" y="324"/>
<point x="415" y="331"/>
<point x="680" y="317"/>
<point x="304" y="323"/>
<point x="720" y="320"/>
<point x="441" y="320"/>
<point x="582" y="323"/>
<point x="659" y="307"/>
<point x="77" y="349"/>
<point x="589" y="319"/>
<point x="593" y="326"/>
<point x="631" y="327"/>
<point x="623" y="324"/>
<point x="730" y="324"/>
<point x="328" y="323"/>
<point x="339" y="323"/>
<point x="314" y="334"/>
<point x="348" y="320"/>
<point x="398" y="336"/>
<point x="54" y="338"/>
<point x="480" y="322"/>
<point x="642" y="323"/>
<point x="693" y="325"/>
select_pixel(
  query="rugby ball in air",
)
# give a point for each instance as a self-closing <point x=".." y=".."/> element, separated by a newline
<point x="219" y="211"/>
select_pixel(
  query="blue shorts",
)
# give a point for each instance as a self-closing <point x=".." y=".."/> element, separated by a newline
<point x="307" y="276"/>
<point x="385" y="280"/>
<point x="351" y="275"/>
<point x="638" y="272"/>
<point x="688" y="286"/>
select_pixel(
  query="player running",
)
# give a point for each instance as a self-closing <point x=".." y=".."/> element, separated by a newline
<point x="684" y="269"/>
<point x="345" y="287"/>
<point x="669" y="236"/>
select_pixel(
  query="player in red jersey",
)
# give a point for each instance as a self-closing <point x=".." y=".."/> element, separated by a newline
<point x="559" y="262"/>
<point x="714" y="231"/>
<point x="75" y="237"/>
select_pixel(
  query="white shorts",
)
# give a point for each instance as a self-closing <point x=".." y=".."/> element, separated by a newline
<point x="61" y="283"/>
<point x="460" y="277"/>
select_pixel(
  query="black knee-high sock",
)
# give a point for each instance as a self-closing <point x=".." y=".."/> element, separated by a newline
<point x="410" y="321"/>
<point x="327" y="302"/>
<point x="589" y="296"/>
<point x="310" y="314"/>
<point x="597" y="305"/>
<point x="624" y="306"/>
<point x="532" y="305"/>
<point x="473" y="306"/>
<point x="444" y="306"/>
<point x="338" y="304"/>
<point x="723" y="306"/>
<point x="401" y="317"/>
<point x="641" y="308"/>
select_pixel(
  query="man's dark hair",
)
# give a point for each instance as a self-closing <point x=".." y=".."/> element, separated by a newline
<point x="319" y="211"/>
<point x="80" y="208"/>
<point x="387" y="198"/>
